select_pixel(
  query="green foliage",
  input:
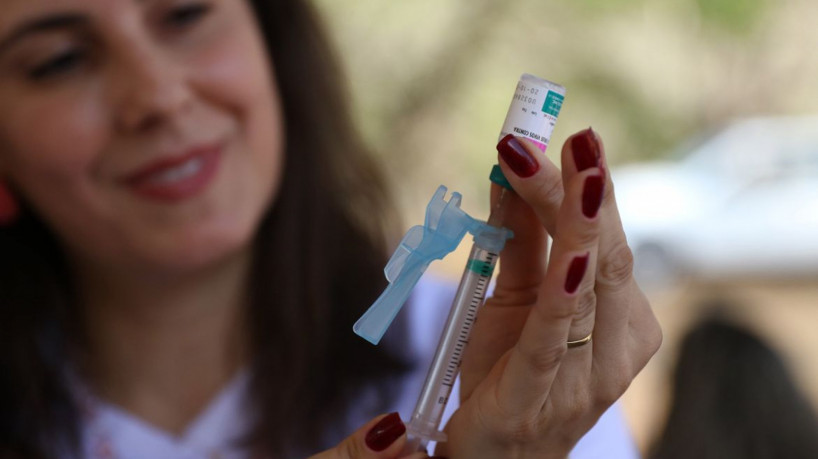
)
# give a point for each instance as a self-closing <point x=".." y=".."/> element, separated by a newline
<point x="736" y="16"/>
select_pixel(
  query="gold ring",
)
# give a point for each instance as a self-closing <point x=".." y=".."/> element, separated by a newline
<point x="580" y="342"/>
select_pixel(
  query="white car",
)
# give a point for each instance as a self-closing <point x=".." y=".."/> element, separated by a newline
<point x="742" y="204"/>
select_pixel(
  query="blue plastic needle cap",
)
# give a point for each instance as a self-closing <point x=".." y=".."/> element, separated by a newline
<point x="446" y="225"/>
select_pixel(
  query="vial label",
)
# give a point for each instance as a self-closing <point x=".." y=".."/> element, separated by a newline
<point x="534" y="110"/>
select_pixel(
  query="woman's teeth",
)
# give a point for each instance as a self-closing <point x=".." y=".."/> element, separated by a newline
<point x="187" y="169"/>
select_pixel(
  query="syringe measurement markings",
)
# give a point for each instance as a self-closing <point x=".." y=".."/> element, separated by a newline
<point x="457" y="352"/>
<point x="470" y="316"/>
<point x="454" y="363"/>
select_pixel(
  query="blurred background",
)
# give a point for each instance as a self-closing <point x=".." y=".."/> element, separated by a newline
<point x="708" y="110"/>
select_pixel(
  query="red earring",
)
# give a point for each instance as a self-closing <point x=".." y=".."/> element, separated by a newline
<point x="8" y="206"/>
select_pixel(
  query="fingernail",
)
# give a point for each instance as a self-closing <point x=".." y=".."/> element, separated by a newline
<point x="385" y="432"/>
<point x="585" y="149"/>
<point x="575" y="273"/>
<point x="517" y="157"/>
<point x="592" y="192"/>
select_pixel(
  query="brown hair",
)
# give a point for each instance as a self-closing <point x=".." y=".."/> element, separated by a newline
<point x="318" y="265"/>
<point x="734" y="396"/>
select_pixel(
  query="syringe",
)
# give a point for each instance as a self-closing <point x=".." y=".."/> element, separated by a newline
<point x="532" y="114"/>
<point x="425" y="421"/>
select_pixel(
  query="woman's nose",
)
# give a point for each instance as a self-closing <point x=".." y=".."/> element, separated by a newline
<point x="150" y="89"/>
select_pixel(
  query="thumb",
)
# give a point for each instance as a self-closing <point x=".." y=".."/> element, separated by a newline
<point x="381" y="438"/>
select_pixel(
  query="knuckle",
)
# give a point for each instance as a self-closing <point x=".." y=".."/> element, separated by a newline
<point x="647" y="335"/>
<point x="612" y="390"/>
<point x="652" y="338"/>
<point x="519" y="429"/>
<point x="616" y="266"/>
<point x="656" y="340"/>
<point x="550" y="193"/>
<point x="585" y="235"/>
<point x="554" y="311"/>
<point x="349" y="449"/>
<point x="525" y="294"/>
<point x="586" y="305"/>
<point x="543" y="359"/>
<point x="508" y="426"/>
<point x="579" y="408"/>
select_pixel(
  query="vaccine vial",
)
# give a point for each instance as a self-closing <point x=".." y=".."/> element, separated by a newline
<point x="532" y="114"/>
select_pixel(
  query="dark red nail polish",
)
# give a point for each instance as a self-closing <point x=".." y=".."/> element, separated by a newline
<point x="517" y="157"/>
<point x="592" y="193"/>
<point x="585" y="149"/>
<point x="575" y="273"/>
<point x="385" y="432"/>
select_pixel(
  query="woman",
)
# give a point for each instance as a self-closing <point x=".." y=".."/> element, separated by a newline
<point x="184" y="201"/>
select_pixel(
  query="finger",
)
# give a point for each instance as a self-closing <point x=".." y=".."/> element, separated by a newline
<point x="523" y="259"/>
<point x="534" y="361"/>
<point x="626" y="332"/>
<point x="520" y="159"/>
<point x="616" y="264"/>
<point x="381" y="438"/>
<point x="579" y="221"/>
<point x="578" y="228"/>
<point x="575" y="249"/>
<point x="614" y="276"/>
<point x="645" y="334"/>
<point x="581" y="151"/>
<point x="521" y="271"/>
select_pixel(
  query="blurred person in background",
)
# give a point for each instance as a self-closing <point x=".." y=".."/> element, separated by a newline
<point x="734" y="397"/>
<point x="190" y="226"/>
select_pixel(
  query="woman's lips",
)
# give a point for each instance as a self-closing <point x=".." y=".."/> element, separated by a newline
<point x="176" y="179"/>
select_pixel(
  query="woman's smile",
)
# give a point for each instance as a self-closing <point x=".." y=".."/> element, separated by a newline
<point x="177" y="176"/>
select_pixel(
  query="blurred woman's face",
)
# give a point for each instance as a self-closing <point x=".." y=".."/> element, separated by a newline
<point x="146" y="133"/>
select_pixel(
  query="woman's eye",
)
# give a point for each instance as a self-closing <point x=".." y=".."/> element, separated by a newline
<point x="187" y="14"/>
<point x="59" y="64"/>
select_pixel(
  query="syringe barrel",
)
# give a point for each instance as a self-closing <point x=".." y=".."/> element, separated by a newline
<point x="445" y="367"/>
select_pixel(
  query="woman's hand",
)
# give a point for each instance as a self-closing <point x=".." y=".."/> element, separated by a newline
<point x="524" y="391"/>
<point x="381" y="438"/>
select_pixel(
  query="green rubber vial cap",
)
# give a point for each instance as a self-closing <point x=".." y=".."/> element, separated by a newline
<point x="497" y="177"/>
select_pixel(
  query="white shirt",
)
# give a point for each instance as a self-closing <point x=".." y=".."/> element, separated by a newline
<point x="112" y="433"/>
